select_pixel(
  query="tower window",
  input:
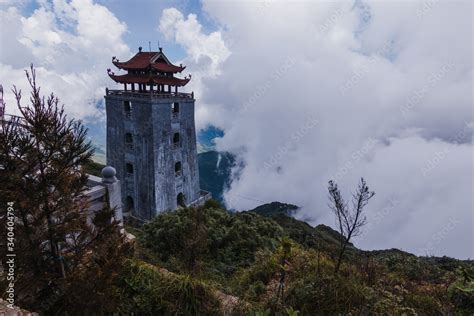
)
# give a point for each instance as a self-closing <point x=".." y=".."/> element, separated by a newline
<point x="175" y="107"/>
<point x="181" y="200"/>
<point x="129" y="168"/>
<point x="127" y="108"/>
<point x="177" y="169"/>
<point x="176" y="140"/>
<point x="129" y="204"/>
<point x="128" y="138"/>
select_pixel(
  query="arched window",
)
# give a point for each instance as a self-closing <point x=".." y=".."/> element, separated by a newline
<point x="129" y="204"/>
<point x="181" y="200"/>
<point x="177" y="169"/>
<point x="176" y="140"/>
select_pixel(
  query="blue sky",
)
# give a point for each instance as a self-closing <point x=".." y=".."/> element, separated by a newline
<point x="142" y="20"/>
<point x="142" y="17"/>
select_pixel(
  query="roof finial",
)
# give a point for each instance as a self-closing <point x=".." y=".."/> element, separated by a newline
<point x="140" y="49"/>
<point x="149" y="45"/>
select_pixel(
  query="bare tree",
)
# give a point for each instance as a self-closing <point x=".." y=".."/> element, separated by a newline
<point x="350" y="222"/>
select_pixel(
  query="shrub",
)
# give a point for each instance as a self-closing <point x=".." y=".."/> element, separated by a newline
<point x="146" y="290"/>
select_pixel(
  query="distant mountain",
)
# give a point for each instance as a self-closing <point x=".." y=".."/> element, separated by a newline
<point x="300" y="231"/>
<point x="96" y="134"/>
<point x="275" y="208"/>
<point x="215" y="169"/>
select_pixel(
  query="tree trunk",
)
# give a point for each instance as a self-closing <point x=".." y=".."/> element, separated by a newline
<point x="339" y="258"/>
<point x="55" y="249"/>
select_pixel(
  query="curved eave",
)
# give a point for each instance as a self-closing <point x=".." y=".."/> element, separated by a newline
<point x="167" y="68"/>
<point x="130" y="79"/>
<point x="149" y="79"/>
<point x="144" y="66"/>
<point x="131" y="66"/>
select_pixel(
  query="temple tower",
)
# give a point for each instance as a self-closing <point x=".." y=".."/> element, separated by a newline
<point x="151" y="137"/>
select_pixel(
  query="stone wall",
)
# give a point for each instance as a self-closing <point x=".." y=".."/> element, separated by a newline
<point x="153" y="186"/>
<point x="105" y="190"/>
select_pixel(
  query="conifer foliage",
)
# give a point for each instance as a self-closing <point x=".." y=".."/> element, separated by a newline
<point x="41" y="156"/>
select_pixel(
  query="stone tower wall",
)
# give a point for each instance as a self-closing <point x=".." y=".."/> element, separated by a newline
<point x="153" y="186"/>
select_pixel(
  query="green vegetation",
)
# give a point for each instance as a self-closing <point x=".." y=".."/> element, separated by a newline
<point x="461" y="291"/>
<point x="62" y="265"/>
<point x="208" y="241"/>
<point x="147" y="290"/>
<point x="277" y="265"/>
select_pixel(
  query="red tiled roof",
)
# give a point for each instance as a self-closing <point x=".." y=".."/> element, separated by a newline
<point x="143" y="60"/>
<point x="163" y="67"/>
<point x="147" y="79"/>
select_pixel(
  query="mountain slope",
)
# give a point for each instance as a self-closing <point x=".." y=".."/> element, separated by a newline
<point x="250" y="257"/>
<point x="215" y="169"/>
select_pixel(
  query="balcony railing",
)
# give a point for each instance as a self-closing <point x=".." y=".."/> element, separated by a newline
<point x="203" y="197"/>
<point x="149" y="94"/>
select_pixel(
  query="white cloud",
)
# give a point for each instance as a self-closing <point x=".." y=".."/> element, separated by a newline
<point x="205" y="55"/>
<point x="375" y="89"/>
<point x="70" y="44"/>
<point x="432" y="182"/>
<point x="188" y="32"/>
<point x="13" y="2"/>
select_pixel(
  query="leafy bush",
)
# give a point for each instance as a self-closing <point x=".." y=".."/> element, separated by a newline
<point x="461" y="292"/>
<point x="219" y="240"/>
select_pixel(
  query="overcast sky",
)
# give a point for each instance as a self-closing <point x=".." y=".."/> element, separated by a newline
<point x="305" y="92"/>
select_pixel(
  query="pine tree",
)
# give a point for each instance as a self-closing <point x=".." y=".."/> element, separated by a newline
<point x="40" y="170"/>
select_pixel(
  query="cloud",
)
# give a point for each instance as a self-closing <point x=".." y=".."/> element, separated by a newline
<point x="205" y="55"/>
<point x="339" y="90"/>
<point x="305" y="93"/>
<point x="70" y="44"/>
<point x="13" y="2"/>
